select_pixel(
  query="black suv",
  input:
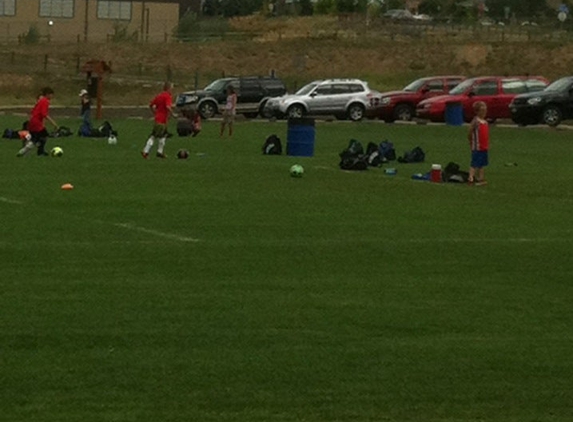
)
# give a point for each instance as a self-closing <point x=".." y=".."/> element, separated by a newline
<point x="252" y="95"/>
<point x="549" y="106"/>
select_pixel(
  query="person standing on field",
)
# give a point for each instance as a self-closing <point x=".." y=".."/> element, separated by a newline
<point x="230" y="111"/>
<point x="162" y="108"/>
<point x="38" y="132"/>
<point x="479" y="142"/>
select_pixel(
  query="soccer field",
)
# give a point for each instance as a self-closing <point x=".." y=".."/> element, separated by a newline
<point x="219" y="288"/>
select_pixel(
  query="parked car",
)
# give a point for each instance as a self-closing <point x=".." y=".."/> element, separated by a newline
<point x="496" y="91"/>
<point x="401" y="105"/>
<point x="342" y="98"/>
<point x="549" y="106"/>
<point x="398" y="14"/>
<point x="252" y="94"/>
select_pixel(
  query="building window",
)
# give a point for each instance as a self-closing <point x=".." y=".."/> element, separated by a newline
<point x="114" y="9"/>
<point x="57" y="8"/>
<point x="7" y="7"/>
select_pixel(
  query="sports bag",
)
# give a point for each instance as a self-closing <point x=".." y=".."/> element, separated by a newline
<point x="272" y="145"/>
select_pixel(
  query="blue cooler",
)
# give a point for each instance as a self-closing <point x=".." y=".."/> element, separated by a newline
<point x="300" y="137"/>
<point x="454" y="113"/>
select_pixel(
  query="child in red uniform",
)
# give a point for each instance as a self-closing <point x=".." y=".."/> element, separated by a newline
<point x="161" y="106"/>
<point x="479" y="143"/>
<point x="38" y="132"/>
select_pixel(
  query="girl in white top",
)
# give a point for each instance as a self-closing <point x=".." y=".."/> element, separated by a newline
<point x="230" y="111"/>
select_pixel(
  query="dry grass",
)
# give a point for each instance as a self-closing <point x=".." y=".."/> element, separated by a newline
<point x="299" y="50"/>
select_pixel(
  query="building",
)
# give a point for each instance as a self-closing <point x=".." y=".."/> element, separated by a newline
<point x="89" y="20"/>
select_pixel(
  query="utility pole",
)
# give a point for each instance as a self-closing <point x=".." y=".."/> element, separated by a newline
<point x="142" y="31"/>
<point x="86" y="20"/>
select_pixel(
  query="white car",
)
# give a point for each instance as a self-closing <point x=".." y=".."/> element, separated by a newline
<point x="342" y="98"/>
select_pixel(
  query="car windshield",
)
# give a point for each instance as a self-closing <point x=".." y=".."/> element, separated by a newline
<point x="462" y="87"/>
<point x="217" y="85"/>
<point x="305" y="90"/>
<point x="560" y="85"/>
<point x="415" y="86"/>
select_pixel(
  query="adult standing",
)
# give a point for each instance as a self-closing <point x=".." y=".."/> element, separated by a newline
<point x="36" y="126"/>
<point x="162" y="107"/>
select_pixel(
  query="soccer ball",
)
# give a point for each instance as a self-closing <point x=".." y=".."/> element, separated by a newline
<point x="296" y="170"/>
<point x="57" y="152"/>
<point x="112" y="140"/>
<point x="182" y="154"/>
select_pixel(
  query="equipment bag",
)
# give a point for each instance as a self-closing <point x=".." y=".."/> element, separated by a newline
<point x="417" y="155"/>
<point x="272" y="145"/>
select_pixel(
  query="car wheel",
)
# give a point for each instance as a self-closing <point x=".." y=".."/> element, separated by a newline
<point x="265" y="113"/>
<point x="295" y="111"/>
<point x="207" y="109"/>
<point x="552" y="115"/>
<point x="356" y="112"/>
<point x="403" y="112"/>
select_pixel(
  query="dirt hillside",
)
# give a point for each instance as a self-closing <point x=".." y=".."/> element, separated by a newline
<point x="386" y="62"/>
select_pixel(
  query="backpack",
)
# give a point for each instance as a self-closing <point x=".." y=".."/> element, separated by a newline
<point x="10" y="134"/>
<point x="387" y="151"/>
<point x="272" y="145"/>
<point x="184" y="127"/>
<point x="453" y="174"/>
<point x="353" y="157"/>
<point x="61" y="132"/>
<point x="373" y="157"/>
<point x="354" y="163"/>
<point x="417" y="155"/>
<point x="354" y="149"/>
<point x="105" y="130"/>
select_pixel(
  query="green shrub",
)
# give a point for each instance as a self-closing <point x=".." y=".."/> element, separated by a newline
<point x="32" y="36"/>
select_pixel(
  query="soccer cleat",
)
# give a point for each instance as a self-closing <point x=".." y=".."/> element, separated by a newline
<point x="160" y="155"/>
<point x="144" y="155"/>
<point x="481" y="183"/>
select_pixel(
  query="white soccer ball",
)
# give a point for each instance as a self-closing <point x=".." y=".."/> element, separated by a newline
<point x="112" y="140"/>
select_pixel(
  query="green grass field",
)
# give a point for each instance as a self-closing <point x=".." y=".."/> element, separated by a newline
<point x="221" y="289"/>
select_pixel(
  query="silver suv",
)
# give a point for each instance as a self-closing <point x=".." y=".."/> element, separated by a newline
<point x="343" y="98"/>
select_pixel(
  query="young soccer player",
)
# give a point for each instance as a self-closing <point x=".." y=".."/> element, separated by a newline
<point x="230" y="111"/>
<point x="479" y="143"/>
<point x="38" y="132"/>
<point x="161" y="106"/>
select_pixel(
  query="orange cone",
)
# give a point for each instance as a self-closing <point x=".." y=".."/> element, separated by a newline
<point x="67" y="186"/>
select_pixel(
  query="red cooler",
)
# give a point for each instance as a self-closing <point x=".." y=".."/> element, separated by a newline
<point x="436" y="173"/>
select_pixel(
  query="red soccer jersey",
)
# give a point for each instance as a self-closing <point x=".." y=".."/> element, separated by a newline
<point x="39" y="113"/>
<point x="480" y="136"/>
<point x="162" y="103"/>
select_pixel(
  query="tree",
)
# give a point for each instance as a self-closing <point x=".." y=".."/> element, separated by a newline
<point x="324" y="7"/>
<point x="211" y="8"/>
<point x="306" y="8"/>
<point x="231" y="8"/>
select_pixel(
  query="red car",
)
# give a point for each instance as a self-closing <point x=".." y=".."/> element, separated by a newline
<point x="401" y="105"/>
<point x="496" y="91"/>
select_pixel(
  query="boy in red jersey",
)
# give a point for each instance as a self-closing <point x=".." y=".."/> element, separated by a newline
<point x="38" y="132"/>
<point x="479" y="143"/>
<point x="161" y="106"/>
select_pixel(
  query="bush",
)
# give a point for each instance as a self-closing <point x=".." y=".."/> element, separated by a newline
<point x="191" y="26"/>
<point x="32" y="36"/>
<point x="325" y="7"/>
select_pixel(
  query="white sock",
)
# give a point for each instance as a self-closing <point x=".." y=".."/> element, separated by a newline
<point x="161" y="145"/>
<point x="29" y="145"/>
<point x="148" y="145"/>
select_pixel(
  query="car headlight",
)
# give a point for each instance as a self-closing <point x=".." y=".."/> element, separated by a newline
<point x="385" y="101"/>
<point x="534" y="100"/>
